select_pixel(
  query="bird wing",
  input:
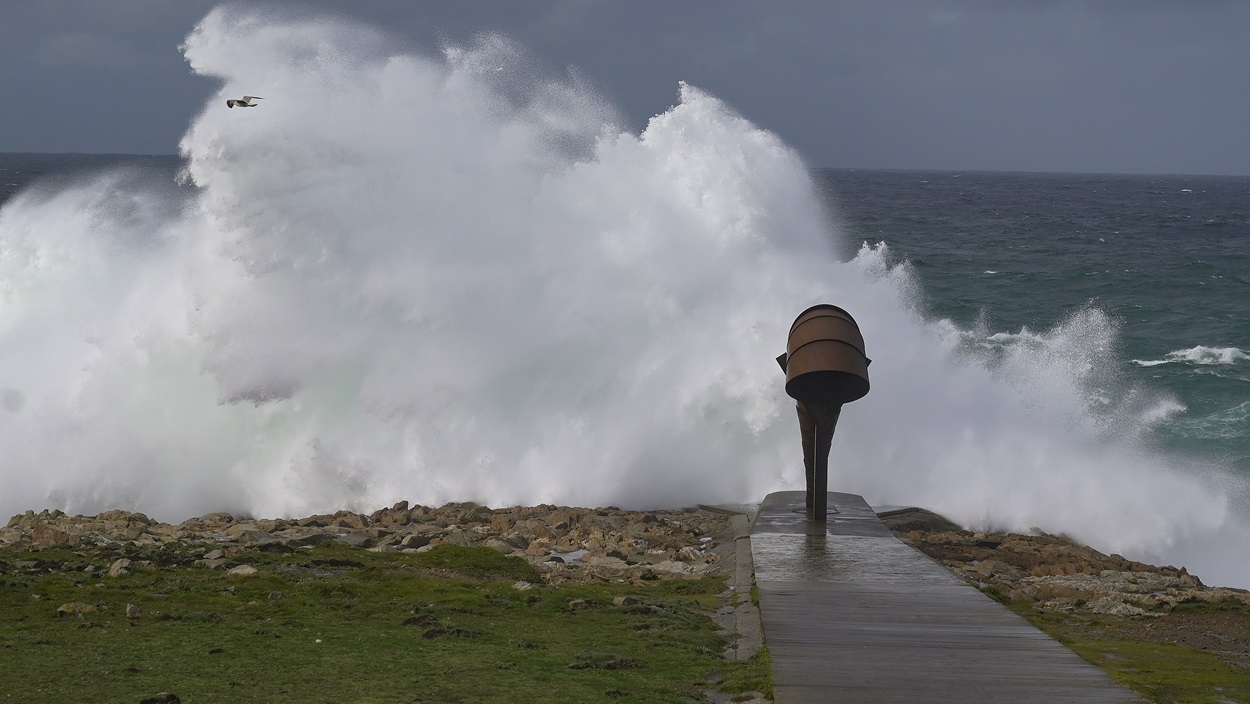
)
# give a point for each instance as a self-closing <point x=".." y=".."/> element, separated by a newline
<point x="250" y="98"/>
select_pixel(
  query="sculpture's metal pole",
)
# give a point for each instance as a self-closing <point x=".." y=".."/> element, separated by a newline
<point x="820" y="474"/>
<point x="825" y="367"/>
<point x="825" y="421"/>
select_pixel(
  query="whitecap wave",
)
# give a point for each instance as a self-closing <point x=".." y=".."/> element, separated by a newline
<point x="1209" y="355"/>
<point x="414" y="277"/>
<point x="1200" y="355"/>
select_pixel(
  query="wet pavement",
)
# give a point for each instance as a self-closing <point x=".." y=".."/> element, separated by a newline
<point x="852" y="614"/>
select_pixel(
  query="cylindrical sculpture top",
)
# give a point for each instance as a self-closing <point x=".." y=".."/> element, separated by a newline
<point x="825" y="362"/>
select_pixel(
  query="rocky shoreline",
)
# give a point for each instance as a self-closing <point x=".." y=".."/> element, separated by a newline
<point x="565" y="544"/>
<point x="1054" y="573"/>
<point x="570" y="544"/>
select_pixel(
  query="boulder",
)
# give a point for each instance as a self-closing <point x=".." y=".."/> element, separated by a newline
<point x="346" y="519"/>
<point x="308" y="539"/>
<point x="355" y="540"/>
<point x="498" y="545"/>
<point x="689" y="553"/>
<point x="252" y="536"/>
<point x="45" y="537"/>
<point x="414" y="541"/>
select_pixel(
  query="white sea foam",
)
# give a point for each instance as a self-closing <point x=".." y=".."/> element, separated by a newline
<point x="416" y="277"/>
<point x="1210" y="355"/>
<point x="1199" y="355"/>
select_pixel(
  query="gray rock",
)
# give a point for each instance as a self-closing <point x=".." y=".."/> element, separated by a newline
<point x="689" y="554"/>
<point x="498" y="545"/>
<point x="243" y="570"/>
<point x="603" y="562"/>
<point x="255" y="537"/>
<point x="415" y="541"/>
<point x="119" y="568"/>
<point x="461" y="537"/>
<point x="355" y="540"/>
<point x="1112" y="605"/>
<point x="309" y="540"/>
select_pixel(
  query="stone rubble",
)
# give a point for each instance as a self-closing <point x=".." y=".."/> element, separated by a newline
<point x="564" y="543"/>
<point x="1059" y="575"/>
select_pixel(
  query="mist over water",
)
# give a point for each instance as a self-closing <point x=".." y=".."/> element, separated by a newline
<point x="457" y="277"/>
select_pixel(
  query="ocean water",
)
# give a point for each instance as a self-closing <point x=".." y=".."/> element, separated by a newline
<point x="455" y="275"/>
<point x="1164" y="261"/>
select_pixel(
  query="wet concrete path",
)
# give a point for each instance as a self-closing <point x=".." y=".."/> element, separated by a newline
<point x="852" y="614"/>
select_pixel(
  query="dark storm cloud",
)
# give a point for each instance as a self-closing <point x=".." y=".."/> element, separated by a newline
<point x="1138" y="86"/>
<point x="97" y="76"/>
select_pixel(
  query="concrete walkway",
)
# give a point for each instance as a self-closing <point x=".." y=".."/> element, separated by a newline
<point x="852" y="614"/>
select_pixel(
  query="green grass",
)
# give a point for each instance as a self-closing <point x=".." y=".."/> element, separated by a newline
<point x="1160" y="672"/>
<point x="754" y="675"/>
<point x="1164" y="672"/>
<point x="334" y="624"/>
<point x="1207" y="607"/>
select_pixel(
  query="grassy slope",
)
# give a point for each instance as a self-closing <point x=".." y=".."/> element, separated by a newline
<point x="333" y="624"/>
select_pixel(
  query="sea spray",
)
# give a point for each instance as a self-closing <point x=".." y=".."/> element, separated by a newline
<point x="409" y="277"/>
<point x="458" y="278"/>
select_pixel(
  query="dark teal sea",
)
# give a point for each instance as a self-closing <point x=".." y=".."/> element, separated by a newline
<point x="1010" y="255"/>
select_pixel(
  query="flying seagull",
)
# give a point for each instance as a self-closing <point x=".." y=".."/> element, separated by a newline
<point x="246" y="102"/>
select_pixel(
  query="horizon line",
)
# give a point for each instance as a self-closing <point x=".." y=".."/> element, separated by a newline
<point x="893" y="169"/>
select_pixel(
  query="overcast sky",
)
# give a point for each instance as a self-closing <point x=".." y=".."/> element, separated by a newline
<point x="1131" y="86"/>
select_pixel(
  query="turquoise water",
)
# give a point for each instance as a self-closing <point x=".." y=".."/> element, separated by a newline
<point x="1167" y="258"/>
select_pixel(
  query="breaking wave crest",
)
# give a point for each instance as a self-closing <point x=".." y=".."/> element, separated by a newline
<point x="1199" y="355"/>
<point x="456" y="277"/>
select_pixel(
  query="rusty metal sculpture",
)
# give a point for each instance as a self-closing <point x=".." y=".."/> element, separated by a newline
<point x="825" y="367"/>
